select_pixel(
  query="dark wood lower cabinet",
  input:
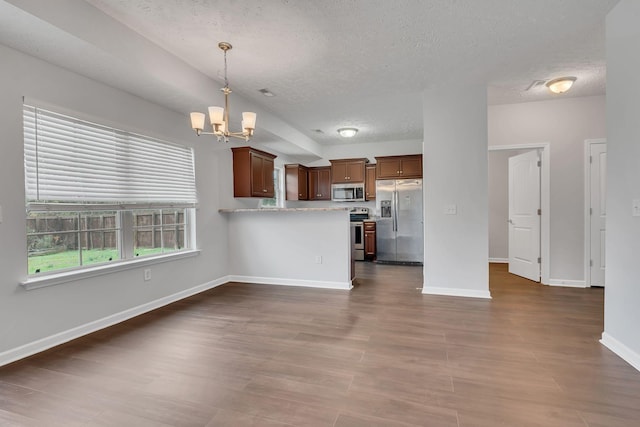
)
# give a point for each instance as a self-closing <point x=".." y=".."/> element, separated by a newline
<point x="370" y="240"/>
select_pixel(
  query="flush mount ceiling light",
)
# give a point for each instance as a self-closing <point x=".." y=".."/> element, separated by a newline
<point x="266" y="92"/>
<point x="347" y="132"/>
<point x="560" y="85"/>
<point x="219" y="117"/>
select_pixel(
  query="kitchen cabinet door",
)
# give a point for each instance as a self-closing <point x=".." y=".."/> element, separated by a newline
<point x="387" y="167"/>
<point x="369" y="239"/>
<point x="356" y="171"/>
<point x="320" y="183"/>
<point x="411" y="167"/>
<point x="370" y="183"/>
<point x="268" y="189"/>
<point x="396" y="167"/>
<point x="339" y="173"/>
<point x="252" y="173"/>
<point x="347" y="171"/>
<point x="296" y="182"/>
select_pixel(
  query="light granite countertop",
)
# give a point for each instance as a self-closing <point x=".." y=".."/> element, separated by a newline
<point x="328" y="209"/>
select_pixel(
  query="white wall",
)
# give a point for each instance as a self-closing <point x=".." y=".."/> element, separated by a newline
<point x="282" y="247"/>
<point x="499" y="203"/>
<point x="455" y="173"/>
<point x="565" y="124"/>
<point x="27" y="316"/>
<point x="622" y="291"/>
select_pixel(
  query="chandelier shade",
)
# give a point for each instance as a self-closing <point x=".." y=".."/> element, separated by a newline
<point x="219" y="116"/>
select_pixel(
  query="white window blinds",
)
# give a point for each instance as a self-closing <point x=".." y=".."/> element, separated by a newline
<point x="73" y="161"/>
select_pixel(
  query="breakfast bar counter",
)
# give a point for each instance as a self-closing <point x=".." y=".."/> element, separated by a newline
<point x="291" y="246"/>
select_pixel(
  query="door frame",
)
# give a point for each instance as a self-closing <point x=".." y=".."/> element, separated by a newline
<point x="587" y="205"/>
<point x="545" y="199"/>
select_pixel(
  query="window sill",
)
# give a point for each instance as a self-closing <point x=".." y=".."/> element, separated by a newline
<point x="70" y="276"/>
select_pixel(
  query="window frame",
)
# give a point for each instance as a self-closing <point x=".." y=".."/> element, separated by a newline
<point x="56" y="278"/>
<point x="77" y="233"/>
<point x="124" y="212"/>
<point x="278" y="187"/>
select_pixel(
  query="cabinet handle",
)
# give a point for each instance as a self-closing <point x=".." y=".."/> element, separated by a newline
<point x="300" y="195"/>
<point x="264" y="190"/>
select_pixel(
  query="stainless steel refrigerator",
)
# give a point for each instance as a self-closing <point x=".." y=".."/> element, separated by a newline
<point x="399" y="228"/>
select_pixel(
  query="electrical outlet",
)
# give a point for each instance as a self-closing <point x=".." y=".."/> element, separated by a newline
<point x="318" y="259"/>
<point x="147" y="274"/>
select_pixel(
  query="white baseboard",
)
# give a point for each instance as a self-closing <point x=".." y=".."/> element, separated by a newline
<point x="291" y="282"/>
<point x="71" y="334"/>
<point x="456" y="292"/>
<point x="628" y="355"/>
<point x="499" y="260"/>
<point x="96" y="325"/>
<point x="568" y="283"/>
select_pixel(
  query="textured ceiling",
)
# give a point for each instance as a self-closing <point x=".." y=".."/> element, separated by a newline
<point x="362" y="63"/>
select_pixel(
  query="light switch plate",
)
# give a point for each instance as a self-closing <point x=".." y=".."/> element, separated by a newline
<point x="635" y="207"/>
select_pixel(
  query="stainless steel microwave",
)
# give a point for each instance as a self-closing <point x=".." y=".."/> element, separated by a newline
<point x="347" y="192"/>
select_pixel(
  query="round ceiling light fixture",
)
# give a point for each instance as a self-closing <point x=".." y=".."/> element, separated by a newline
<point x="347" y="132"/>
<point x="561" y="84"/>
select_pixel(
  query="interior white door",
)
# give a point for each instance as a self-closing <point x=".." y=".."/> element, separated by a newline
<point x="524" y="215"/>
<point x="598" y="212"/>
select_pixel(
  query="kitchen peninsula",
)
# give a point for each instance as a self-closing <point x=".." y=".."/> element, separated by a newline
<point x="291" y="246"/>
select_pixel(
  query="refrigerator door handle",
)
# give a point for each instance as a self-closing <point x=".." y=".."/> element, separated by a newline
<point x="395" y="210"/>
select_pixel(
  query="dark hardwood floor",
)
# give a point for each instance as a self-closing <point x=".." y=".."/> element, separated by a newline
<point x="380" y="355"/>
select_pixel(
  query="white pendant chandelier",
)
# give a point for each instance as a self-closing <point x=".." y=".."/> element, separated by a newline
<point x="219" y="117"/>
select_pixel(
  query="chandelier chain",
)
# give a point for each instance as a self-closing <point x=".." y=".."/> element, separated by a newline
<point x="226" y="81"/>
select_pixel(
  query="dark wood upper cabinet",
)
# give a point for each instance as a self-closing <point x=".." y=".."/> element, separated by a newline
<point x="320" y="183"/>
<point x="296" y="182"/>
<point x="394" y="167"/>
<point x="252" y="173"/>
<point x="347" y="171"/>
<point x="370" y="183"/>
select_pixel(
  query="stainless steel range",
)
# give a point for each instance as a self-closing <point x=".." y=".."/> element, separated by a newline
<point x="357" y="216"/>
